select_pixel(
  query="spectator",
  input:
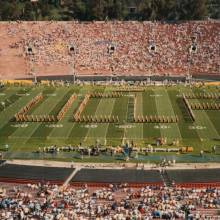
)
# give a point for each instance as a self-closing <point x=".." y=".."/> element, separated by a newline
<point x="123" y="48"/>
<point x="51" y="202"/>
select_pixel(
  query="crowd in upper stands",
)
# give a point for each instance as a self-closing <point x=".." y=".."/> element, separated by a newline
<point x="119" y="202"/>
<point x="123" y="48"/>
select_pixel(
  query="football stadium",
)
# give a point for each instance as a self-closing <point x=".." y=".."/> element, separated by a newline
<point x="110" y="110"/>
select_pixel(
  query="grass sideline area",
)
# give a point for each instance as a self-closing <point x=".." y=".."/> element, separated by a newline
<point x="25" y="137"/>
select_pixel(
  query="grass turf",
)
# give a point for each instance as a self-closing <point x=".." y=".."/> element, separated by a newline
<point x="27" y="137"/>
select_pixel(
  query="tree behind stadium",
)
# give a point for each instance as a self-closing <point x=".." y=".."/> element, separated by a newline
<point x="87" y="10"/>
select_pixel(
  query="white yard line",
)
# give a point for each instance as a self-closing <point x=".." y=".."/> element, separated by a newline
<point x="200" y="132"/>
<point x="197" y="131"/>
<point x="141" y="109"/>
<point x="124" y="136"/>
<point x="104" y="125"/>
<point x="159" y="112"/>
<point x="137" y="132"/>
<point x="11" y="108"/>
<point x="168" y="97"/>
<point x="35" y="128"/>
<point x="80" y="94"/>
<point x="85" y="138"/>
<point x="70" y="115"/>
<point x="106" y="131"/>
<point x="135" y="104"/>
<point x="209" y="121"/>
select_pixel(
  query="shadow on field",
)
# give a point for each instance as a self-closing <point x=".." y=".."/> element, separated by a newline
<point x="186" y="115"/>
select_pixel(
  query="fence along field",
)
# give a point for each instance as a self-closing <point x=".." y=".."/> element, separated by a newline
<point x="109" y="115"/>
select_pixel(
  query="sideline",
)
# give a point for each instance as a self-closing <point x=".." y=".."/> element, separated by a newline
<point x="147" y="166"/>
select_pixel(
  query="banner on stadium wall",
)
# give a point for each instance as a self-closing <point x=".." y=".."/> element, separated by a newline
<point x="212" y="83"/>
<point x="45" y="82"/>
<point x="21" y="82"/>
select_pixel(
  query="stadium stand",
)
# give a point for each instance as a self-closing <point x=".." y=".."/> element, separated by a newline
<point x="44" y="201"/>
<point x="108" y="48"/>
<point x="115" y="199"/>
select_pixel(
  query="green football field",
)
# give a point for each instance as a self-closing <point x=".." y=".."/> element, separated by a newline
<point x="157" y="100"/>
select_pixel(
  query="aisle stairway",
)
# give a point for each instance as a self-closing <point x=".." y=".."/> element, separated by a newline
<point x="167" y="181"/>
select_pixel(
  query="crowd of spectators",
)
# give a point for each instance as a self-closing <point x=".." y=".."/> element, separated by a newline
<point x="123" y="48"/>
<point x="120" y="202"/>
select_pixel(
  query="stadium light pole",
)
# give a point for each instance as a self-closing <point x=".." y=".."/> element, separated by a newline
<point x="112" y="71"/>
<point x="33" y="70"/>
<point x="72" y="63"/>
<point x="74" y="75"/>
<point x="35" y="77"/>
<point x="30" y="55"/>
<point x="189" y="68"/>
